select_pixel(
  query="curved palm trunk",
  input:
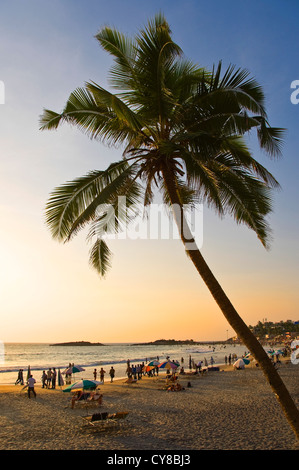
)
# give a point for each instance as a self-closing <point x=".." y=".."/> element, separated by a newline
<point x="232" y="316"/>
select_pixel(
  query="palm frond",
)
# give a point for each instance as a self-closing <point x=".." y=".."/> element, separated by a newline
<point x="238" y="150"/>
<point x="115" y="105"/>
<point x="74" y="204"/>
<point x="50" y="120"/>
<point x="100" y="257"/>
<point x="123" y="50"/>
<point x="244" y="197"/>
<point x="97" y="113"/>
<point x="271" y="139"/>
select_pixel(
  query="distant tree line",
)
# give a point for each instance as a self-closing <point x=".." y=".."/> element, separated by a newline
<point x="261" y="329"/>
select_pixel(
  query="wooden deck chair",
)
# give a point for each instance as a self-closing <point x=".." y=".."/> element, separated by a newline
<point x="105" y="418"/>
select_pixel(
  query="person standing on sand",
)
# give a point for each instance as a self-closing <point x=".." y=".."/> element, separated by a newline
<point x="49" y="378"/>
<point x="54" y="375"/>
<point x="31" y="381"/>
<point x="95" y="374"/>
<point x="102" y="373"/>
<point x="112" y="374"/>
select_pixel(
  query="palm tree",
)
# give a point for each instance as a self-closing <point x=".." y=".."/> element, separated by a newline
<point x="183" y="131"/>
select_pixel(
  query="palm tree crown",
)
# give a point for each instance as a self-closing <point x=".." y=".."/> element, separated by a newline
<point x="177" y="122"/>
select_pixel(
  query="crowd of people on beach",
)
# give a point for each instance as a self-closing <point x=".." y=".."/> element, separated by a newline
<point x="49" y="378"/>
<point x="231" y="358"/>
<point x="102" y="374"/>
<point x="135" y="372"/>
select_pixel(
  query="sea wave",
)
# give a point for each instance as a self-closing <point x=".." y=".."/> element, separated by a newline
<point x="16" y="368"/>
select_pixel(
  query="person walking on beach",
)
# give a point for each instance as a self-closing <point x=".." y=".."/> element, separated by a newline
<point x="95" y="374"/>
<point x="20" y="379"/>
<point x="44" y="379"/>
<point x="54" y="375"/>
<point x="31" y="381"/>
<point x="102" y="373"/>
<point x="112" y="374"/>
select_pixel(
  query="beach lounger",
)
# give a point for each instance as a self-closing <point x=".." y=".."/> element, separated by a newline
<point x="105" y="418"/>
<point x="87" y="399"/>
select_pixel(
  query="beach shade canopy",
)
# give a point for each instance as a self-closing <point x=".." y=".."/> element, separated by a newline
<point x="148" y="368"/>
<point x="153" y="363"/>
<point x="249" y="357"/>
<point x="60" y="379"/>
<point x="246" y="360"/>
<point x="239" y="364"/>
<point x="168" y="365"/>
<point x="83" y="384"/>
<point x="73" y="370"/>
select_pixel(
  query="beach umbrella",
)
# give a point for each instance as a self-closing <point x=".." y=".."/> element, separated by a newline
<point x="84" y="384"/>
<point x="73" y="370"/>
<point x="168" y="365"/>
<point x="60" y="379"/>
<point x="246" y="360"/>
<point x="239" y="363"/>
<point x="148" y="368"/>
<point x="153" y="363"/>
<point x="249" y="356"/>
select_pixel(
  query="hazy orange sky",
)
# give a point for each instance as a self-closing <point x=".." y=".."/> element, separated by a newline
<point x="48" y="291"/>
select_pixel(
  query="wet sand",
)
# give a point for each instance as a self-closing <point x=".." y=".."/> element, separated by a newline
<point x="225" y="410"/>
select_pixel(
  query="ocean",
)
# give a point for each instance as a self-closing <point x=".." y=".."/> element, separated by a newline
<point x="41" y="356"/>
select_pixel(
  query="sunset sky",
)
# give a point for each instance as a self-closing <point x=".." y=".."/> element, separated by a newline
<point x="48" y="291"/>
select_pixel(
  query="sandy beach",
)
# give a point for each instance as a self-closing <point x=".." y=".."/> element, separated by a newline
<point x="225" y="410"/>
